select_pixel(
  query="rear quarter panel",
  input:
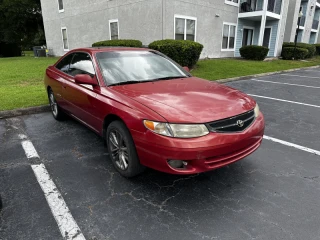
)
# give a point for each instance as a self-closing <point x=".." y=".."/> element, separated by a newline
<point x="54" y="81"/>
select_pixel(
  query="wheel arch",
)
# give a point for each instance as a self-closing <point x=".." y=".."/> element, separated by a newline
<point x="108" y="120"/>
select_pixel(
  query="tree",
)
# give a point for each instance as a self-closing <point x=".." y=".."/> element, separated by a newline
<point x="21" y="23"/>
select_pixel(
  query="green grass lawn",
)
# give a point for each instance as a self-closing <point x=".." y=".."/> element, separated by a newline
<point x="21" y="82"/>
<point x="215" y="69"/>
<point x="21" y="78"/>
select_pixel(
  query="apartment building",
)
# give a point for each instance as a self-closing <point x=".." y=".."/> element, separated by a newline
<point x="308" y="29"/>
<point x="222" y="26"/>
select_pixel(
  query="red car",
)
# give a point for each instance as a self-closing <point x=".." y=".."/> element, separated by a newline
<point x="152" y="112"/>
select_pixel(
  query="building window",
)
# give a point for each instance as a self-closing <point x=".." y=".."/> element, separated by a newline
<point x="114" y="29"/>
<point x="229" y="35"/>
<point x="232" y="2"/>
<point x="65" y="39"/>
<point x="185" y="28"/>
<point x="247" y="36"/>
<point x="60" y="5"/>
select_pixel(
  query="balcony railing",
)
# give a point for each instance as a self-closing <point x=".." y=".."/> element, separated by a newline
<point x="302" y="21"/>
<point x="315" y="24"/>
<point x="274" y="6"/>
<point x="250" y="6"/>
<point x="257" y="5"/>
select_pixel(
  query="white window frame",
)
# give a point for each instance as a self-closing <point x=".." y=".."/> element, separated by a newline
<point x="232" y="3"/>
<point x="185" y="26"/>
<point x="247" y="27"/>
<point x="113" y="21"/>
<point x="64" y="49"/>
<point x="235" y="37"/>
<point x="60" y="10"/>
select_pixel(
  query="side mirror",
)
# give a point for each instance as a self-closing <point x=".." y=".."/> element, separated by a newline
<point x="187" y="69"/>
<point x="85" y="79"/>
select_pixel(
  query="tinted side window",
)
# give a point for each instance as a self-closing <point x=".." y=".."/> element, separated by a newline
<point x="63" y="65"/>
<point x="81" y="64"/>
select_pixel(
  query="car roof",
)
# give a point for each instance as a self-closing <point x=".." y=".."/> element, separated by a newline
<point x="108" y="49"/>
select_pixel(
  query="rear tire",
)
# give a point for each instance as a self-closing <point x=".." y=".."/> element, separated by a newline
<point x="55" y="109"/>
<point x="122" y="150"/>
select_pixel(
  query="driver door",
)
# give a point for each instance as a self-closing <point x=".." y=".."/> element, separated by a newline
<point x="82" y="99"/>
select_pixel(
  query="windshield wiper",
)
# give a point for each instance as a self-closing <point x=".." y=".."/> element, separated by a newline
<point x="144" y="81"/>
<point x="168" y="78"/>
<point x="124" y="83"/>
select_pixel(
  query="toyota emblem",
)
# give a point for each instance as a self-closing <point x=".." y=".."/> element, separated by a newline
<point x="240" y="123"/>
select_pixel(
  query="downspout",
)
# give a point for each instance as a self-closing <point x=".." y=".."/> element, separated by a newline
<point x="163" y="17"/>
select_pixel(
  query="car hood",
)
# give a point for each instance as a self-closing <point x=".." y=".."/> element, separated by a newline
<point x="189" y="100"/>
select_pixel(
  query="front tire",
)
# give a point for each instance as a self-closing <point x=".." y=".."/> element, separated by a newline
<point x="55" y="109"/>
<point x="122" y="150"/>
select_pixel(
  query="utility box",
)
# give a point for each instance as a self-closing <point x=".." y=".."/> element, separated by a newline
<point x="39" y="51"/>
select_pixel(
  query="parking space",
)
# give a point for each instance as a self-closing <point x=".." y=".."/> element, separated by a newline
<point x="272" y="194"/>
<point x="294" y="122"/>
<point x="26" y="214"/>
<point x="301" y="94"/>
<point x="301" y="77"/>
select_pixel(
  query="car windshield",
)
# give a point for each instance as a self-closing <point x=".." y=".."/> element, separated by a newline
<point x="121" y="67"/>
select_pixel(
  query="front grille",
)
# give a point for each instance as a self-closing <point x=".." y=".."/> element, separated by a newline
<point x="234" y="124"/>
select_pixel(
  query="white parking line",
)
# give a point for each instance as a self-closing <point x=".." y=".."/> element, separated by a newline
<point x="66" y="223"/>
<point x="283" y="100"/>
<point x="316" y="152"/>
<point x="291" y="84"/>
<point x="293" y="75"/>
<point x="29" y="149"/>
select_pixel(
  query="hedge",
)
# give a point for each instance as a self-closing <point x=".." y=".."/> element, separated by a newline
<point x="288" y="53"/>
<point x="119" y="43"/>
<point x="317" y="48"/>
<point x="310" y="47"/>
<point x="253" y="52"/>
<point x="184" y="52"/>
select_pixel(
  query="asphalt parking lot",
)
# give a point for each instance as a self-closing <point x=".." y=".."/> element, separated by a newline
<point x="272" y="194"/>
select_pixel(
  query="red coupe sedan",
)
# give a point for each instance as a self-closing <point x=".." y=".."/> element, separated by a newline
<point x="152" y="112"/>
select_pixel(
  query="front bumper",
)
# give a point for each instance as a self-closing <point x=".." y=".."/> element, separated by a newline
<point x="202" y="154"/>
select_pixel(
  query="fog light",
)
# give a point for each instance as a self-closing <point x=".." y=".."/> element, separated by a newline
<point x="178" y="164"/>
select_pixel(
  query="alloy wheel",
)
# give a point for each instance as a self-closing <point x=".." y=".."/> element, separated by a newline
<point x="53" y="104"/>
<point x="119" y="150"/>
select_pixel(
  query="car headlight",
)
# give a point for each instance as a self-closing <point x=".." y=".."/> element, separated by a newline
<point x="177" y="130"/>
<point x="256" y="110"/>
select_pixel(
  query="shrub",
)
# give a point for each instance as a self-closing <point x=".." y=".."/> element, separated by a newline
<point x="310" y="47"/>
<point x="253" y="52"/>
<point x="184" y="52"/>
<point x="288" y="53"/>
<point x="119" y="43"/>
<point x="317" y="48"/>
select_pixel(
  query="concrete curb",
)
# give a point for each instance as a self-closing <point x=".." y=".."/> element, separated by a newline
<point x="262" y="74"/>
<point x="46" y="108"/>
<point x="24" y="111"/>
